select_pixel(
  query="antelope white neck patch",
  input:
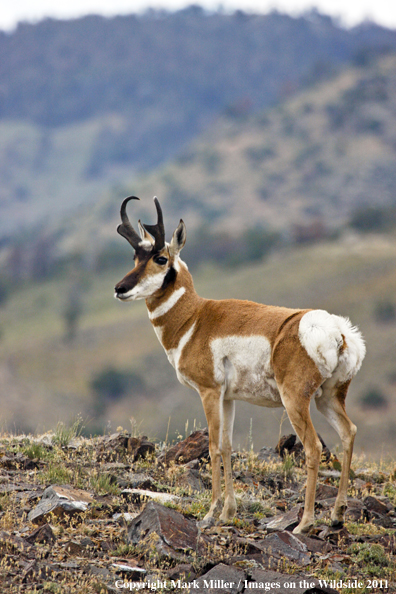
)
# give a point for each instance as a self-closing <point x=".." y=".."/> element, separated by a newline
<point x="167" y="305"/>
<point x="175" y="354"/>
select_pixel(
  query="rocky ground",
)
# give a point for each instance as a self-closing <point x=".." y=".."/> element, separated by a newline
<point x="121" y="513"/>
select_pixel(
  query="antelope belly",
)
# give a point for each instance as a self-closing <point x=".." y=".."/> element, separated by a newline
<point x="243" y="365"/>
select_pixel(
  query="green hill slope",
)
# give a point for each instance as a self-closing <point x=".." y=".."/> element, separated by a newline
<point x="316" y="157"/>
<point x="303" y="168"/>
<point x="45" y="377"/>
<point x="312" y="159"/>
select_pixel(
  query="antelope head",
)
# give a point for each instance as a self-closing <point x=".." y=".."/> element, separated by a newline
<point x="156" y="261"/>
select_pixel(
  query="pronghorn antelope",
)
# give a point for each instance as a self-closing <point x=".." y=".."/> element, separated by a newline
<point x="238" y="350"/>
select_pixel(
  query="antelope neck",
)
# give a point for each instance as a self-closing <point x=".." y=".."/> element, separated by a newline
<point x="173" y="311"/>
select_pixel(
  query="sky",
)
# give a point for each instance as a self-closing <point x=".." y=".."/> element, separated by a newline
<point x="350" y="12"/>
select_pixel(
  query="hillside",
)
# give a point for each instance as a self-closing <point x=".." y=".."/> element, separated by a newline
<point x="187" y="64"/>
<point x="315" y="158"/>
<point x="87" y="104"/>
<point x="110" y="368"/>
<point x="302" y="169"/>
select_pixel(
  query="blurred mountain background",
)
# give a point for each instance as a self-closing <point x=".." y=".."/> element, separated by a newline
<point x="274" y="137"/>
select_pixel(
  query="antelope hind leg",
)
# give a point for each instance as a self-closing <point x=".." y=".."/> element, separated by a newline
<point x="297" y="409"/>
<point x="332" y="405"/>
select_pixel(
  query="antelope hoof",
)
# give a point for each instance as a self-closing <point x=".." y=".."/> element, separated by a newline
<point x="303" y="527"/>
<point x="225" y="519"/>
<point x="207" y="522"/>
<point x="338" y="516"/>
<point x="227" y="514"/>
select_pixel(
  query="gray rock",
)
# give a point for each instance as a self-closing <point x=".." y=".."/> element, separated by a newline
<point x="67" y="493"/>
<point x="193" y="464"/>
<point x="58" y="500"/>
<point x="41" y="534"/>
<point x="325" y="491"/>
<point x="125" y="518"/>
<point x="315" y="545"/>
<point x="139" y="481"/>
<point x="375" y="505"/>
<point x="122" y="444"/>
<point x="13" y="543"/>
<point x="184" y="571"/>
<point x="30" y="571"/>
<point x="139" y="495"/>
<point x="129" y="569"/>
<point x="191" y="481"/>
<point x="169" y="532"/>
<point x="287" y="521"/>
<point x="267" y="454"/>
<point x="73" y="547"/>
<point x="196" y="446"/>
<point x="280" y="545"/>
<point x="329" y="473"/>
<point x="101" y="572"/>
<point x="222" y="579"/>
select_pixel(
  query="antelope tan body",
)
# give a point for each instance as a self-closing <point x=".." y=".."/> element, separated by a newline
<point x="232" y="350"/>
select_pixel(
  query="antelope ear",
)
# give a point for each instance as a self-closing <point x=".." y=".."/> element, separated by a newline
<point x="145" y="235"/>
<point x="178" y="239"/>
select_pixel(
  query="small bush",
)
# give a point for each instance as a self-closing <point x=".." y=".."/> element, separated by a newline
<point x="370" y="555"/>
<point x="4" y="292"/>
<point x="64" y="435"/>
<point x="57" y="474"/>
<point x="288" y="465"/>
<point x="374" y="398"/>
<point x="103" y="484"/>
<point x="258" y="242"/>
<point x="385" y="311"/>
<point x="369" y="218"/>
<point x="114" y="383"/>
<point x="35" y="451"/>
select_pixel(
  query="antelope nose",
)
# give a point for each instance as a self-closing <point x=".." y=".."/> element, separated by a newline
<point x="120" y="289"/>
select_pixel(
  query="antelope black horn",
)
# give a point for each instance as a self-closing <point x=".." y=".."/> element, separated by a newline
<point x="157" y="230"/>
<point x="126" y="229"/>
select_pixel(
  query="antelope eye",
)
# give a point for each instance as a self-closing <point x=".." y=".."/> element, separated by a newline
<point x="160" y="260"/>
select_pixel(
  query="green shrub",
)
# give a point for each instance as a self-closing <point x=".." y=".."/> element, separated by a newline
<point x="4" y="291"/>
<point x="371" y="556"/>
<point x="369" y="218"/>
<point x="64" y="435"/>
<point x="385" y="311"/>
<point x="374" y="398"/>
<point x="112" y="383"/>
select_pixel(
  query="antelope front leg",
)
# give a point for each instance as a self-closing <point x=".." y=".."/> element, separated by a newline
<point x="211" y="400"/>
<point x="229" y="508"/>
